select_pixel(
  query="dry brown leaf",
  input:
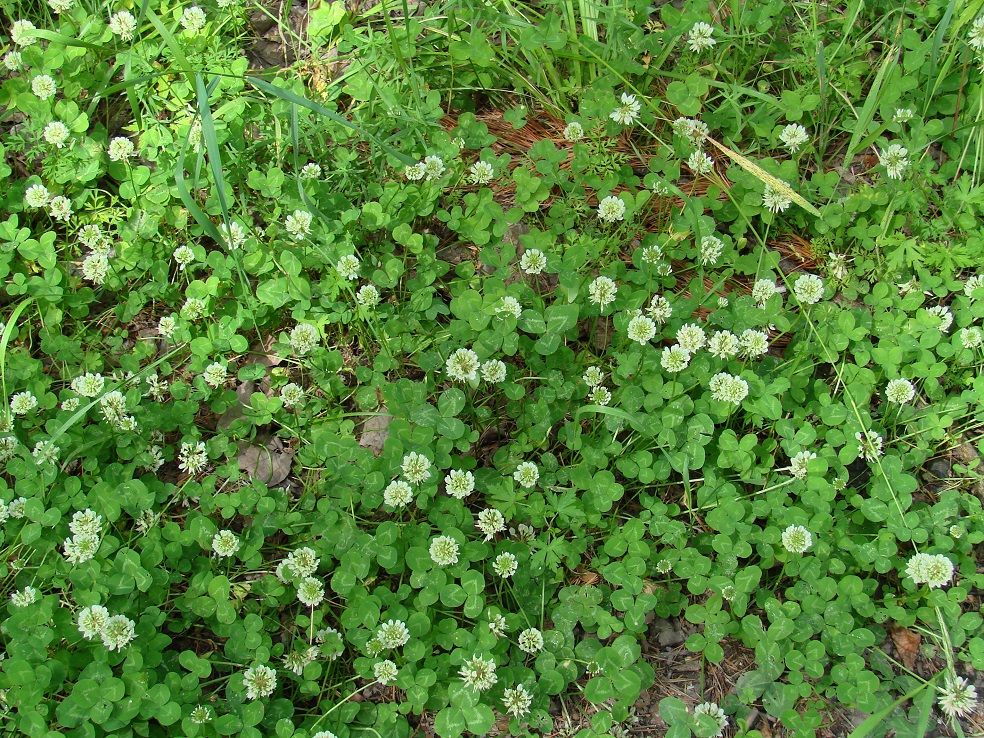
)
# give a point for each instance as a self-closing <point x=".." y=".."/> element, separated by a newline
<point x="375" y="431"/>
<point x="269" y="463"/>
<point x="906" y="644"/>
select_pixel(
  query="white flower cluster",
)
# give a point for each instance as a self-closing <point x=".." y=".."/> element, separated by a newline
<point x="116" y="631"/>
<point x="935" y="570"/>
<point x="86" y="528"/>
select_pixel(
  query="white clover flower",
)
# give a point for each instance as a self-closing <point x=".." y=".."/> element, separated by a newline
<point x="870" y="444"/>
<point x="463" y="365"/>
<point x="517" y="701"/>
<point x="652" y="254"/>
<point x="167" y="325"/>
<point x="903" y="115"/>
<point x="291" y="394"/>
<point x="433" y="167"/>
<point x="943" y="314"/>
<point x="753" y="343"/>
<point x="691" y="337"/>
<point x="88" y="385"/>
<point x="900" y="391"/>
<point x="775" y="200"/>
<point x="611" y="210"/>
<point x="192" y="457"/>
<point x="628" y="111"/>
<point x="497" y="623"/>
<point x="460" y="483"/>
<point x="44" y="453"/>
<point x="526" y="474"/>
<point x="971" y="337"/>
<point x="701" y="37"/>
<point x="505" y="565"/>
<point x="36" y="196"/>
<point x="393" y="634"/>
<point x="481" y="173"/>
<point x="695" y="131"/>
<point x="573" y="131"/>
<point x="397" y="494"/>
<point x="762" y="290"/>
<point x="22" y="403"/>
<point x="895" y="160"/>
<point x="303" y="338"/>
<point x="260" y="681"/>
<point x="311" y="591"/>
<point x="302" y="562"/>
<point x="793" y="137"/>
<point x="837" y="265"/>
<point x="57" y="134"/>
<point x="193" y="308"/>
<point x="975" y="38"/>
<point x="123" y="24"/>
<point x="808" y="289"/>
<point x="935" y="570"/>
<point x="20" y="33"/>
<point x="416" y="468"/>
<point x="61" y="6"/>
<point x="117" y="633"/>
<point x="714" y="711"/>
<point x="8" y="447"/>
<point x="60" y="208"/>
<point x="215" y="375"/>
<point x="490" y="522"/>
<point x="700" y="163"/>
<point x="510" y="306"/>
<point x="599" y="396"/>
<point x="593" y="376"/>
<point x="233" y="234"/>
<point x="494" y="371"/>
<point x="444" y="551"/>
<point x="659" y="309"/>
<point x="602" y="292"/>
<point x="120" y="148"/>
<point x="414" y="172"/>
<point x="728" y="388"/>
<point x="530" y="641"/>
<point x="958" y="697"/>
<point x="16" y="508"/>
<point x="348" y="267"/>
<point x="225" y="543"/>
<point x="385" y="672"/>
<point x="641" y="329"/>
<point x="12" y="61"/>
<point x="311" y="170"/>
<point x="92" y="621"/>
<point x="711" y="248"/>
<point x="972" y="284"/>
<point x="796" y="539"/>
<point x="298" y="224"/>
<point x="43" y="86"/>
<point x="24" y="597"/>
<point x="193" y="19"/>
<point x="798" y="465"/>
<point x="367" y="296"/>
<point x="533" y="261"/>
<point x="183" y="256"/>
<point x="478" y="673"/>
<point x="675" y="358"/>
<point x="957" y="532"/>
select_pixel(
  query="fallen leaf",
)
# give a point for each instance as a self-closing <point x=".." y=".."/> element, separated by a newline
<point x="906" y="644"/>
<point x="270" y="463"/>
<point x="375" y="431"/>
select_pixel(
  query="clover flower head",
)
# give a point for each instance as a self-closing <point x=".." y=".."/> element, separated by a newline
<point x="711" y="248"/>
<point x="599" y="396"/>
<point x="895" y="159"/>
<point x="225" y="543"/>
<point x="460" y="483"/>
<point x="700" y="163"/>
<point x="602" y="292"/>
<point x="24" y="597"/>
<point x="88" y="385"/>
<point x="490" y="522"/>
<point x="433" y="167"/>
<point x="311" y="170"/>
<point x="793" y="137"/>
<point x="215" y="374"/>
<point x="416" y="468"/>
<point x="510" y="306"/>
<point x="798" y="465"/>
<point x="393" y="634"/>
<point x="935" y="570"/>
<point x="526" y="474"/>
<point x="183" y="256"/>
<point x="691" y="337"/>
<point x="367" y="296"/>
<point x="652" y="254"/>
<point x="233" y="234"/>
<point x="348" y="267"/>
<point x="573" y="132"/>
<point x="975" y="38"/>
<point x="193" y="19"/>
<point x="166" y="326"/>
<point x="20" y="33"/>
<point x="775" y="200"/>
<point x="695" y="131"/>
<point x="675" y="358"/>
<point x="533" y="261"/>
<point x="611" y="210"/>
<point x="971" y="337"/>
<point x="900" y="391"/>
<point x="497" y="624"/>
<point x="385" y="672"/>
<point x="414" y="172"/>
<point x="444" y="551"/>
<point x="753" y="343"/>
<point x="641" y="329"/>
<point x="92" y="621"/>
<point x="808" y="289"/>
<point x="972" y="284"/>
<point x="494" y="371"/>
<point x="85" y="522"/>
<point x="715" y="712"/>
<point x="659" y="309"/>
<point x="43" y="86"/>
<point x="298" y="224"/>
<point x="593" y="376"/>
<point x="118" y="632"/>
<point x="481" y="173"/>
<point x="958" y="697"/>
<point x="36" y="196"/>
<point x="22" y="403"/>
<point x="505" y="565"/>
<point x="530" y="641"/>
<point x="463" y="365"/>
<point x="60" y="208"/>
<point x="701" y="37"/>
<point x="57" y="134"/>
<point x="260" y="681"/>
<point x="870" y="444"/>
<point x="12" y="61"/>
<point x="728" y="388"/>
<point x="517" y="701"/>
<point x="120" y="148"/>
<point x="303" y="338"/>
<point x="123" y="24"/>
<point x="397" y="494"/>
<point x="628" y="110"/>
<point x="762" y="290"/>
<point x="796" y="539"/>
<point x="311" y="591"/>
<point x="943" y="314"/>
<point x="478" y="673"/>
